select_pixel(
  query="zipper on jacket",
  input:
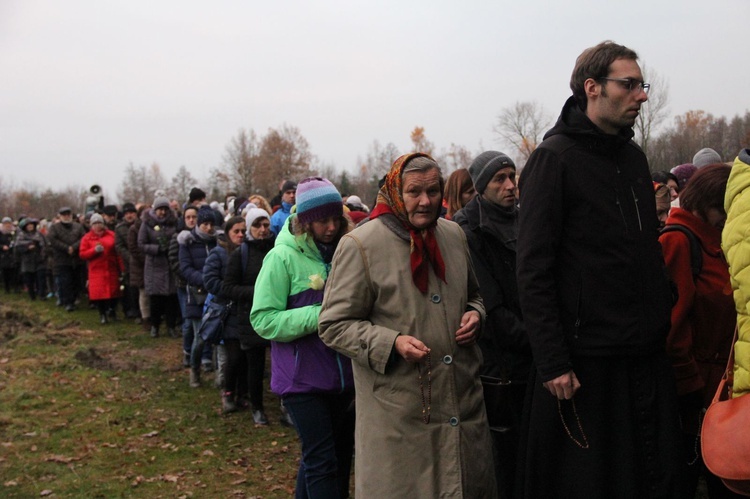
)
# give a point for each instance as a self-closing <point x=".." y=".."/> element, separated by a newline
<point x="637" y="210"/>
<point x="622" y="213"/>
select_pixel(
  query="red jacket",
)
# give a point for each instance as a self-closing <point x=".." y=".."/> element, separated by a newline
<point x="104" y="267"/>
<point x="704" y="317"/>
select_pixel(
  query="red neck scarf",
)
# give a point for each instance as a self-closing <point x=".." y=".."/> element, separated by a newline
<point x="424" y="249"/>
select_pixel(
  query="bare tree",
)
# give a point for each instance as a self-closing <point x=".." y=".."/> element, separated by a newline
<point x="181" y="184"/>
<point x="522" y="127"/>
<point x="283" y="154"/>
<point x="242" y="157"/>
<point x="654" y="111"/>
<point x="139" y="184"/>
<point x="218" y="184"/>
<point x="456" y="157"/>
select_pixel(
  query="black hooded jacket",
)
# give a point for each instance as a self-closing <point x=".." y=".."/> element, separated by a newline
<point x="504" y="342"/>
<point x="590" y="270"/>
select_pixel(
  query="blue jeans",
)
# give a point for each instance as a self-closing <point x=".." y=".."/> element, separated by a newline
<point x="325" y="425"/>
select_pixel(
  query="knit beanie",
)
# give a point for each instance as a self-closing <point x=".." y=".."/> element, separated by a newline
<point x="206" y="214"/>
<point x="683" y="173"/>
<point x="706" y="156"/>
<point x="161" y="202"/>
<point x="485" y="166"/>
<point x="254" y="214"/>
<point x="96" y="219"/>
<point x="317" y="198"/>
<point x="289" y="185"/>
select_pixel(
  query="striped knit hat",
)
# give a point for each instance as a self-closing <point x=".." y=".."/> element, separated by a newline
<point x="317" y="198"/>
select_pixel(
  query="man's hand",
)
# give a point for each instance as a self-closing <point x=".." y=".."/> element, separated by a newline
<point x="410" y="348"/>
<point x="563" y="387"/>
<point x="467" y="333"/>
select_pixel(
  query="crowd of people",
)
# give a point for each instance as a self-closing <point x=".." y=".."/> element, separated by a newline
<point x="554" y="334"/>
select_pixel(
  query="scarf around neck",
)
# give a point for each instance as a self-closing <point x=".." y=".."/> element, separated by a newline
<point x="424" y="250"/>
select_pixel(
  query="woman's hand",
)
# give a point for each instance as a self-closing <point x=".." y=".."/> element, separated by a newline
<point x="467" y="333"/>
<point x="410" y="348"/>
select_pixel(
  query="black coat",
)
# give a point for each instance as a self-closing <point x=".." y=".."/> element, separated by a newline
<point x="591" y="275"/>
<point x="239" y="286"/>
<point x="63" y="236"/>
<point x="504" y="342"/>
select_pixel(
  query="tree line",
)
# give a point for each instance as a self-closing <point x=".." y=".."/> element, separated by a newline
<point x="254" y="163"/>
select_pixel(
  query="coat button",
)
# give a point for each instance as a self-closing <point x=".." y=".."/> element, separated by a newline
<point x="362" y="345"/>
<point x="435" y="298"/>
<point x="447" y="359"/>
<point x="453" y="421"/>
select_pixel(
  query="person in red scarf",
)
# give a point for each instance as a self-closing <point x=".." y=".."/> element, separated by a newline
<point x="403" y="302"/>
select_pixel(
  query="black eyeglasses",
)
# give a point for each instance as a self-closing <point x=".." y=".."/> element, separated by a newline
<point x="629" y="84"/>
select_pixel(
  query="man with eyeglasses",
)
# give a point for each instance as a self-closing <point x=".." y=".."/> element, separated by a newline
<point x="595" y="298"/>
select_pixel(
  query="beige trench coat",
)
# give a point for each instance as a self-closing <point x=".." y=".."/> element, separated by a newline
<point x="369" y="300"/>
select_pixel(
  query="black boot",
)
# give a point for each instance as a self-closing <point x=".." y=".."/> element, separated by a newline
<point x="103" y="318"/>
<point x="154" y="331"/>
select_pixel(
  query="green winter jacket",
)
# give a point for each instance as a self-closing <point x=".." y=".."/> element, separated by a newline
<point x="293" y="273"/>
<point x="286" y="306"/>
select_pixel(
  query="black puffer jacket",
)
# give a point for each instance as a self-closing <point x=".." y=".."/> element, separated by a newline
<point x="239" y="286"/>
<point x="590" y="271"/>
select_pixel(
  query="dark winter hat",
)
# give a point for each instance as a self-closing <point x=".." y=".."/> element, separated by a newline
<point x="196" y="195"/>
<point x="64" y="210"/>
<point x="289" y="185"/>
<point x="110" y="210"/>
<point x="206" y="214"/>
<point x="485" y="166"/>
<point x="317" y="198"/>
<point x="129" y="208"/>
<point x="683" y="173"/>
<point x="706" y="156"/>
<point x="161" y="202"/>
<point x="28" y="221"/>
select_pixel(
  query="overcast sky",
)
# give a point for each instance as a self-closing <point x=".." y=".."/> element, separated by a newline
<point x="90" y="86"/>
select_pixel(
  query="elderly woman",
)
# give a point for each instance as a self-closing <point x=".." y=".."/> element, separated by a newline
<point x="105" y="266"/>
<point x="315" y="382"/>
<point x="158" y="226"/>
<point x="31" y="250"/>
<point x="403" y="302"/>
<point x="703" y="318"/>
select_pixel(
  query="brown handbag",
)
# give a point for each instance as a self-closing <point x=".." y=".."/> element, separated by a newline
<point x="725" y="434"/>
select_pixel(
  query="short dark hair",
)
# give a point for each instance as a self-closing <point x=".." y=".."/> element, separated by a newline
<point x="706" y="189"/>
<point x="663" y="177"/>
<point x="594" y="63"/>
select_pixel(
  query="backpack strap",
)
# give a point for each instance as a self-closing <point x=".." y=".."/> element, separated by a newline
<point x="243" y="248"/>
<point x="696" y="252"/>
